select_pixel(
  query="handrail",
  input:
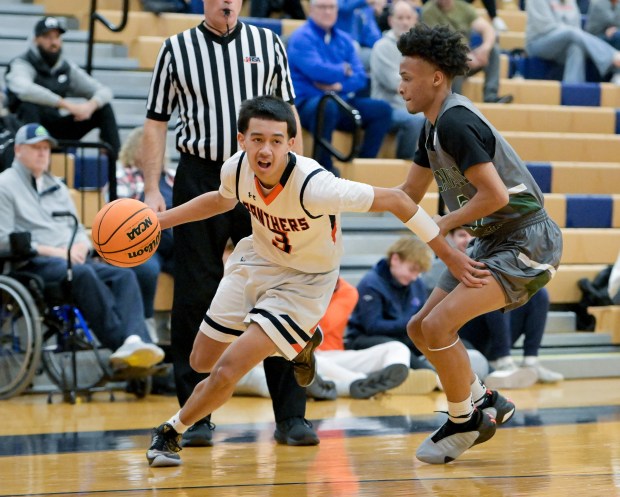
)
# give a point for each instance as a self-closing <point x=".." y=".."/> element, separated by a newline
<point x="318" y="133"/>
<point x="96" y="16"/>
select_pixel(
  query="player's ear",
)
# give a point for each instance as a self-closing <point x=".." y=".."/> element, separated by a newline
<point x="438" y="78"/>
<point x="291" y="142"/>
<point x="241" y="140"/>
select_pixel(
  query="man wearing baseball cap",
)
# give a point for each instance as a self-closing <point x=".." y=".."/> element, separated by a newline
<point x="41" y="81"/>
<point x="107" y="296"/>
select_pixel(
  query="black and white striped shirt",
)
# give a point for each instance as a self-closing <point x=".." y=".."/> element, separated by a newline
<point x="208" y="77"/>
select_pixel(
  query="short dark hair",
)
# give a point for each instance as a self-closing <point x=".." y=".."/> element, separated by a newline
<point x="269" y="108"/>
<point x="439" y="45"/>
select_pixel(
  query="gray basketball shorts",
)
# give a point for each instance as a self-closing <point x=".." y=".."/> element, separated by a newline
<point x="286" y="303"/>
<point x="523" y="256"/>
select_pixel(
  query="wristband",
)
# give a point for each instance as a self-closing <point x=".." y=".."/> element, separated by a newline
<point x="423" y="225"/>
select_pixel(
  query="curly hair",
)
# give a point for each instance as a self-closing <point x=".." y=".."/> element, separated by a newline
<point x="439" y="45"/>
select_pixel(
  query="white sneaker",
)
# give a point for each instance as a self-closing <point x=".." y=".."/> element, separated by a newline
<point x="508" y="375"/>
<point x="136" y="354"/>
<point x="544" y="375"/>
<point x="615" y="79"/>
<point x="499" y="24"/>
<point x="516" y="378"/>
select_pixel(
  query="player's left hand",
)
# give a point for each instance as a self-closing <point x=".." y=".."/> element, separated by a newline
<point x="468" y="271"/>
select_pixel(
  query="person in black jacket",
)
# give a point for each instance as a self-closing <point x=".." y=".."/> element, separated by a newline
<point x="40" y="82"/>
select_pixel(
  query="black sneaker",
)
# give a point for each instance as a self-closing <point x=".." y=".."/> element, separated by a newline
<point x="164" y="447"/>
<point x="295" y="431"/>
<point x="497" y="406"/>
<point x="452" y="439"/>
<point x="379" y="381"/>
<point x="304" y="364"/>
<point x="200" y="434"/>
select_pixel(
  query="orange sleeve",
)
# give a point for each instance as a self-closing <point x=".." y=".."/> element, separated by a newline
<point x="334" y="323"/>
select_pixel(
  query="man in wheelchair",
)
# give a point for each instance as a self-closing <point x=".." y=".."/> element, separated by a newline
<point x="109" y="297"/>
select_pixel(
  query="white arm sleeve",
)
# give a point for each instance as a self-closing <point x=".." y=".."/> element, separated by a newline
<point x="326" y="194"/>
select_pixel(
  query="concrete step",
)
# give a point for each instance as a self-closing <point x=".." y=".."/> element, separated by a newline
<point x="25" y="22"/>
<point x="375" y="222"/>
<point x="561" y="322"/>
<point x="126" y="85"/>
<point x="74" y="51"/>
<point x="17" y="33"/>
<point x="583" y="365"/>
<point x="575" y="341"/>
<point x="19" y="8"/>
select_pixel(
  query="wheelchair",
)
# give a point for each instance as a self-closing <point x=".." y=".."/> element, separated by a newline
<point x="41" y="330"/>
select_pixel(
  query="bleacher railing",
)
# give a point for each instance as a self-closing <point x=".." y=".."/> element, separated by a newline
<point x="93" y="18"/>
<point x="319" y="141"/>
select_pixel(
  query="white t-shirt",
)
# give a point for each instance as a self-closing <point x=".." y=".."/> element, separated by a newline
<point x="297" y="224"/>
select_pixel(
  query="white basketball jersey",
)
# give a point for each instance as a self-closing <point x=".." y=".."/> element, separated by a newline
<point x="297" y="224"/>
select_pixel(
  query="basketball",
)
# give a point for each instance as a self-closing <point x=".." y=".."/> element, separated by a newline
<point x="126" y="232"/>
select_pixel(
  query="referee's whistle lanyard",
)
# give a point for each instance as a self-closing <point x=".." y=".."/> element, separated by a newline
<point x="223" y="34"/>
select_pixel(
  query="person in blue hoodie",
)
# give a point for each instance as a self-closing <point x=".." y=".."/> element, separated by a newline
<point x="389" y="294"/>
<point x="323" y="59"/>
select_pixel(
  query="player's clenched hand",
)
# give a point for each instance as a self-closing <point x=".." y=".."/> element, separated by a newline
<point x="468" y="271"/>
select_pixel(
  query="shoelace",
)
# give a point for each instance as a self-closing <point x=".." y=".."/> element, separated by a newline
<point x="162" y="441"/>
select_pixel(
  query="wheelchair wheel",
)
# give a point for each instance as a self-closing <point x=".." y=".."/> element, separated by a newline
<point x="20" y="338"/>
<point x="57" y="355"/>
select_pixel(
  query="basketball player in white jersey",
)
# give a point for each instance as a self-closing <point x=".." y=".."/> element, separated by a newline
<point x="278" y="282"/>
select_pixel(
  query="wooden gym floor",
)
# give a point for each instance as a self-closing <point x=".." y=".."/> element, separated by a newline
<point x="564" y="440"/>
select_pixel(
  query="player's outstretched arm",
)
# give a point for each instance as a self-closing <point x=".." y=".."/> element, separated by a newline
<point x="202" y="207"/>
<point x="466" y="270"/>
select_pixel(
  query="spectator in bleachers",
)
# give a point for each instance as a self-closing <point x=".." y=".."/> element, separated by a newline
<point x="107" y="296"/>
<point x="491" y="8"/>
<point x="613" y="287"/>
<point x="462" y="17"/>
<point x="385" y="79"/>
<point x="323" y="59"/>
<point x="553" y="32"/>
<point x="130" y="184"/>
<point x="358" y="19"/>
<point x="292" y="9"/>
<point x="390" y="294"/>
<point x="41" y="83"/>
<point x="603" y="20"/>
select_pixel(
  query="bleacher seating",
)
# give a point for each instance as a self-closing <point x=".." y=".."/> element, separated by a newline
<point x="567" y="134"/>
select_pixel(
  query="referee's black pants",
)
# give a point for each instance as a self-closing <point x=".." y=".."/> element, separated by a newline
<point x="198" y="269"/>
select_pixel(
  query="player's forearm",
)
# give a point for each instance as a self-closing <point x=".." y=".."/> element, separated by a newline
<point x="480" y="206"/>
<point x="395" y="201"/>
<point x="202" y="207"/>
<point x="153" y="148"/>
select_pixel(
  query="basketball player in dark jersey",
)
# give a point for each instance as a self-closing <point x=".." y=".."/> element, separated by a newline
<point x="488" y="191"/>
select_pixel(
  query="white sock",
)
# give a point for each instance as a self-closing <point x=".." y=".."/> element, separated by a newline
<point x="460" y="412"/>
<point x="530" y="360"/>
<point x="175" y="422"/>
<point x="478" y="391"/>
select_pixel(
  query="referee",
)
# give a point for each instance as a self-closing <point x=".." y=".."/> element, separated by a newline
<point x="206" y="73"/>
